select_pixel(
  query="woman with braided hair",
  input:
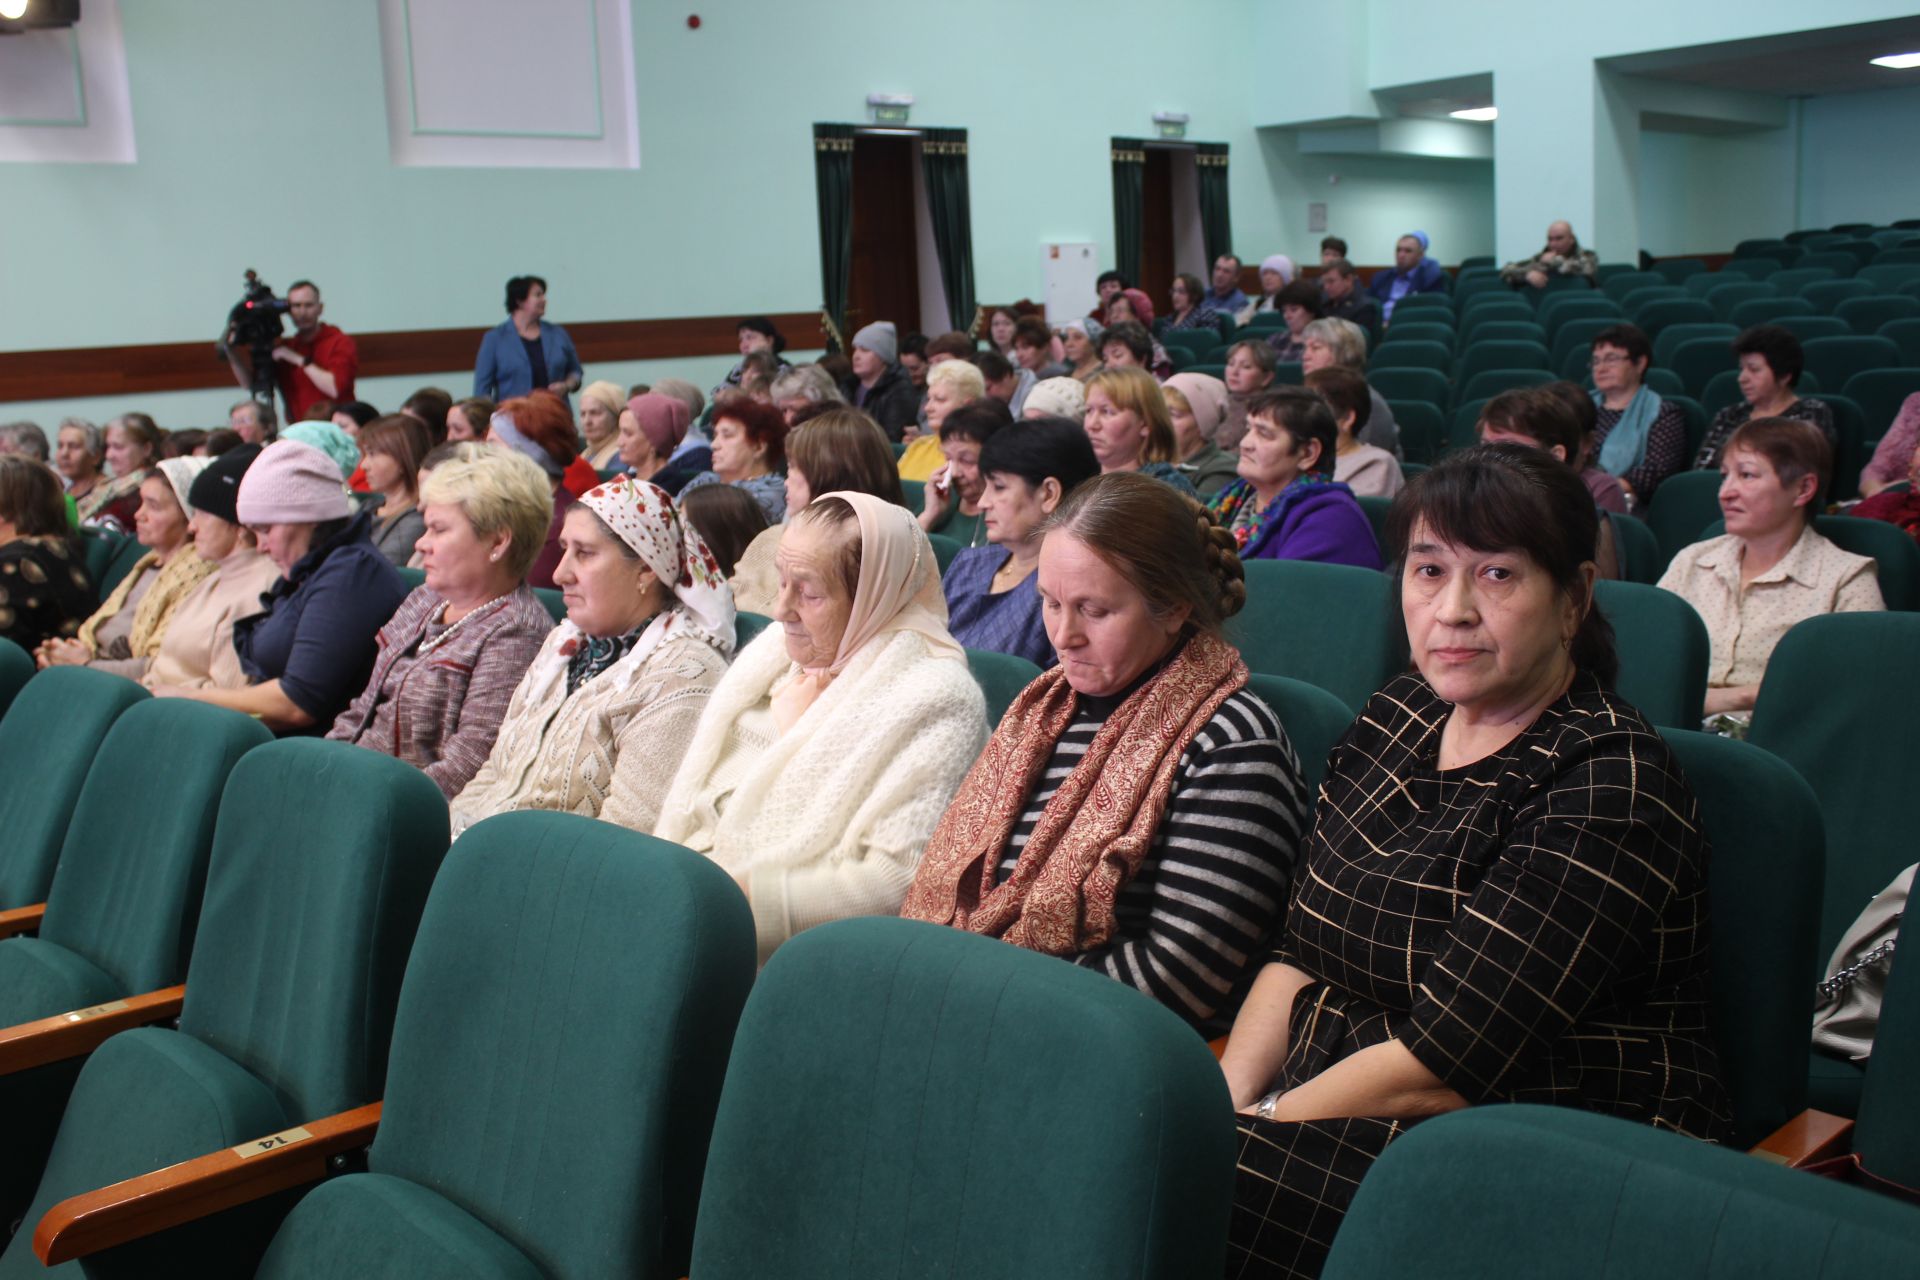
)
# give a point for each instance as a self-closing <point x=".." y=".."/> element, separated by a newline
<point x="1138" y="810"/>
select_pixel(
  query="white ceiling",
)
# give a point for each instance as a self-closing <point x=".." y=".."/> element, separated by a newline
<point x="1803" y="64"/>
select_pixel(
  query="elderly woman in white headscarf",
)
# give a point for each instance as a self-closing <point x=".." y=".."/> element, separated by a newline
<point x="830" y="750"/>
<point x="1276" y="273"/>
<point x="124" y="634"/>
<point x="605" y="712"/>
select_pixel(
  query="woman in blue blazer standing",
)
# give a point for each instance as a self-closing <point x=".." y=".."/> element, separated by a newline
<point x="525" y="352"/>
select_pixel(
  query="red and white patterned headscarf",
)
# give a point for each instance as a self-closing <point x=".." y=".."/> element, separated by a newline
<point x="643" y="516"/>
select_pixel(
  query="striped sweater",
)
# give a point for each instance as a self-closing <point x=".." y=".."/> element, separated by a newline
<point x="1194" y="921"/>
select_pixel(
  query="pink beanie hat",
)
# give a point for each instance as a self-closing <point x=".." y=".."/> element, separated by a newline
<point x="292" y="483"/>
<point x="663" y="420"/>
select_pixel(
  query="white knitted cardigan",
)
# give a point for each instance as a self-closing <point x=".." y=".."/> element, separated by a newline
<point x="831" y="819"/>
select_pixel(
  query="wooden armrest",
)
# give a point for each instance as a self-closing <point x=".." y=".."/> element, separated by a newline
<point x="1806" y="1139"/>
<point x="76" y="1034"/>
<point x="195" y="1189"/>
<point x="22" y="919"/>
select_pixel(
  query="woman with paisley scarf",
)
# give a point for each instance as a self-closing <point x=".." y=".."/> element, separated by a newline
<point x="1138" y="810"/>
<point x="828" y="752"/>
<point x="125" y="633"/>
<point x="604" y="713"/>
<point x="1286" y="505"/>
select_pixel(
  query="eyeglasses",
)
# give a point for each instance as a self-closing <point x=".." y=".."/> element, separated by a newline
<point x="1604" y="362"/>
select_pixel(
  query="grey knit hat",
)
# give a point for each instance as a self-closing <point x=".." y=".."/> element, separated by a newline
<point x="881" y="338"/>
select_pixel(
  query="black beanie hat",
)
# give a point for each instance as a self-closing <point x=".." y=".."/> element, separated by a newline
<point x="763" y="326"/>
<point x="217" y="489"/>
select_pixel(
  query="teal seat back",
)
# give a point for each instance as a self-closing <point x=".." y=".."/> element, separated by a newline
<point x="1836" y="705"/>
<point x="746" y="626"/>
<point x="1895" y="555"/>
<point x="1430" y="385"/>
<point x="903" y="1097"/>
<point x="1558" y="1194"/>
<point x="1887" y="1135"/>
<point x="1413" y="353"/>
<point x="412" y="577"/>
<point x="554" y="603"/>
<point x="125" y="556"/>
<point x="1637" y="547"/>
<point x="126" y="895"/>
<point x="98" y="547"/>
<point x="322" y="857"/>
<point x="16" y="668"/>
<point x="562" y="1034"/>
<point x="1834" y="360"/>
<point x="1683" y="506"/>
<point x="47" y="742"/>
<point x="1331" y="625"/>
<point x="1763" y="877"/>
<point x="1664" y="651"/>
<point x="1499" y="353"/>
<point x="1423" y="429"/>
<point x="915" y="492"/>
<point x="1001" y="677"/>
<point x="1313" y="718"/>
<point x="944" y="549"/>
<point x="1377" y="510"/>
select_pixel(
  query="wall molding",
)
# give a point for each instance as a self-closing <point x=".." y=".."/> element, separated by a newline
<point x="74" y="372"/>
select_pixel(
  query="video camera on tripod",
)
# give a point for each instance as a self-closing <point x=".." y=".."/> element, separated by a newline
<point x="254" y="323"/>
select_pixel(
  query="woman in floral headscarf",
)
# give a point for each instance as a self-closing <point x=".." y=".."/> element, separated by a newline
<point x="826" y="756"/>
<point x="605" y="712"/>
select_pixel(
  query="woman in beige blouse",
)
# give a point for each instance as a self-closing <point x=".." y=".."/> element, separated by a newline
<point x="1770" y="569"/>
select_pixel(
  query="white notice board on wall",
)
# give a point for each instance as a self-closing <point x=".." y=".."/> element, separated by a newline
<point x="1069" y="270"/>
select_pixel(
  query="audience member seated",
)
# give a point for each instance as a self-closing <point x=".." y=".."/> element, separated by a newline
<point x="950" y="384"/>
<point x="992" y="602"/>
<point x="1332" y="249"/>
<point x="1105" y="285"/>
<point x="832" y="745"/>
<point x="323" y="435"/>
<point x="1770" y="365"/>
<point x="196" y="649"/>
<point x="651" y="426"/>
<point x="1131" y="310"/>
<point x="727" y="520"/>
<point x="1562" y="256"/>
<point x="1541" y="418"/>
<point x="1196" y="407"/>
<point x="1127" y="345"/>
<point x="802" y="386"/>
<point x="605" y="712"/>
<point x="133" y="445"/>
<point x="757" y="335"/>
<point x="1006" y="381"/>
<point x="1057" y="398"/>
<point x="468" y="420"/>
<point x="1331" y="342"/>
<point x="840" y="450"/>
<point x="429" y="407"/>
<point x="1504" y="898"/>
<point x="1300" y="305"/>
<point x="352" y="415"/>
<point x="454" y="650"/>
<point x="79" y="454"/>
<point x="1249" y="371"/>
<point x="1605" y="488"/>
<point x="1769" y="570"/>
<point x="1000" y="323"/>
<point x="1368" y="470"/>
<point x="1080" y="348"/>
<point x="1638" y="437"/>
<point x="524" y="353"/>
<point x="1342" y="298"/>
<point x="1190" y="307"/>
<point x="127" y="629"/>
<point x="879" y="385"/>
<point x="1276" y="273"/>
<point x="1891" y="454"/>
<point x="45" y="593"/>
<point x="541" y="427"/>
<point x="1286" y="505"/>
<point x="749" y="452"/>
<point x="1896" y="506"/>
<point x="951" y="500"/>
<point x="601" y="404"/>
<point x="1138" y="811"/>
<point x="1227" y="296"/>
<point x="1128" y="426"/>
<point x="1033" y="349"/>
<point x="393" y="447"/>
<point x="1413" y="272"/>
<point x="913" y="359"/>
<point x="312" y="648"/>
<point x="24" y="440"/>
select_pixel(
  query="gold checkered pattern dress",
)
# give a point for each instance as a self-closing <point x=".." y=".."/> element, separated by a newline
<point x="1532" y="927"/>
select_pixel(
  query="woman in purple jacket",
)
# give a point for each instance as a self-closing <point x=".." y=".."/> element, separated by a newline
<point x="1286" y="505"/>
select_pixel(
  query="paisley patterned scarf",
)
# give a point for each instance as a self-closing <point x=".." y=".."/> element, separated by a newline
<point x="1238" y="507"/>
<point x="595" y="654"/>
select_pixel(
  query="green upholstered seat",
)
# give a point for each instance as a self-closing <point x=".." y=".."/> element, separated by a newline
<point x="1763" y="884"/>
<point x="1834" y="360"/>
<point x="1413" y="353"/>
<point x="746" y="626"/>
<point x="554" y="603"/>
<point x="1683" y="506"/>
<point x="1423" y="429"/>
<point x="16" y="668"/>
<point x="1556" y="1194"/>
<point x="1001" y="677"/>
<point x="1313" y="718"/>
<point x="944" y="549"/>
<point x="47" y="742"/>
<point x="1479" y="357"/>
<point x="1377" y="510"/>
<point x="970" y="1109"/>
<point x="125" y="556"/>
<point x="98" y="547"/>
<point x="1887" y="1137"/>
<point x="1637" y="547"/>
<point x="1896" y="556"/>
<point x="562" y="1034"/>
<point x="125" y="897"/>
<point x="1329" y="624"/>
<point x="412" y="577"/>
<point x="1430" y="385"/>
<point x="1664" y="650"/>
<point x="322" y="857"/>
<point x="1421" y="331"/>
<point x="1489" y="383"/>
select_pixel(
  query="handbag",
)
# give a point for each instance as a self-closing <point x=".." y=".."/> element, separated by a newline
<point x="1847" y="1008"/>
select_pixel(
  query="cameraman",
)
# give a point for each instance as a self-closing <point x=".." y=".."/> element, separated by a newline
<point x="317" y="362"/>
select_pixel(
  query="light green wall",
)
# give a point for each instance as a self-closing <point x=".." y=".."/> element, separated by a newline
<point x="1705" y="194"/>
<point x="1378" y="199"/>
<point x="1857" y="156"/>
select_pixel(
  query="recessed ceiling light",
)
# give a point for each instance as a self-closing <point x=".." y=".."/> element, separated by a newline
<point x="1476" y="113"/>
<point x="1899" y="61"/>
<point x="13" y="10"/>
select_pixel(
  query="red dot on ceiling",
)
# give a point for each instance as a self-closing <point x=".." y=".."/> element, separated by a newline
<point x="693" y="22"/>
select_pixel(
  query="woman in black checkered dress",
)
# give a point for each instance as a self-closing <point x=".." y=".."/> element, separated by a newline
<point x="1504" y="898"/>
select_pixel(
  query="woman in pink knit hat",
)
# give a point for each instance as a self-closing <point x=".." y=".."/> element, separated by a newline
<point x="650" y="430"/>
<point x="312" y="647"/>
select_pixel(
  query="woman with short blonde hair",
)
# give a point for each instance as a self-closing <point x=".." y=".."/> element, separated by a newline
<point x="1128" y="423"/>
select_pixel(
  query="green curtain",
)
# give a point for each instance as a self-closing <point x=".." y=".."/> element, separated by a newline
<point x="833" y="179"/>
<point x="1129" y="200"/>
<point x="1216" y="224"/>
<point x="943" y="159"/>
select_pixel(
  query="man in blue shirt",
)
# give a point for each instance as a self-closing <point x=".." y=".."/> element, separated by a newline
<point x="1413" y="272"/>
<point x="1226" y="295"/>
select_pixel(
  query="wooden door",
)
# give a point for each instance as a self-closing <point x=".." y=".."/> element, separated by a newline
<point x="884" y="282"/>
<point x="1156" y="230"/>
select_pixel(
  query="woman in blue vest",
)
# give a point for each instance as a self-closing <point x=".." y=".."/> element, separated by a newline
<point x="525" y="352"/>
